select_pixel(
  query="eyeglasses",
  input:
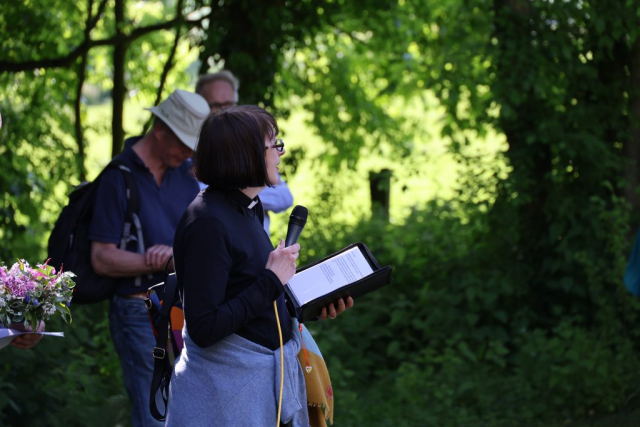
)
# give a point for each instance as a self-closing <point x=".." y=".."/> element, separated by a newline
<point x="279" y="146"/>
<point x="216" y="106"/>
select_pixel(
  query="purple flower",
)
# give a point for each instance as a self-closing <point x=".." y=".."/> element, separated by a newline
<point x="36" y="273"/>
<point x="27" y="299"/>
<point x="35" y="302"/>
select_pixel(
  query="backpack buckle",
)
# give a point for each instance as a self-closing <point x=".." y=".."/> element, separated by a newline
<point x="148" y="303"/>
<point x="159" y="353"/>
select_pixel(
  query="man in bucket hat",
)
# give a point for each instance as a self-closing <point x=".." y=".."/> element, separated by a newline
<point x="165" y="187"/>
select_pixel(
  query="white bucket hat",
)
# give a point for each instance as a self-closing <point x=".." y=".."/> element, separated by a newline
<point x="184" y="113"/>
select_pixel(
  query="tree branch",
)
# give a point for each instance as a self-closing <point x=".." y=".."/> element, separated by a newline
<point x="87" y="44"/>
<point x="92" y="22"/>
<point x="167" y="67"/>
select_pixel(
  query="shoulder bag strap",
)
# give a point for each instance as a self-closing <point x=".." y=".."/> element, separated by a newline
<point x="162" y="368"/>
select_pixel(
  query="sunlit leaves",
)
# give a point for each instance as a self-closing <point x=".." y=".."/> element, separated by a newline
<point x="54" y="28"/>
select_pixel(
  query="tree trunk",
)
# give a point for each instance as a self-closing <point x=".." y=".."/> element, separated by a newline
<point x="530" y="166"/>
<point x="632" y="146"/>
<point x="82" y="71"/>
<point x="119" y="89"/>
<point x="380" y="186"/>
<point x="82" y="74"/>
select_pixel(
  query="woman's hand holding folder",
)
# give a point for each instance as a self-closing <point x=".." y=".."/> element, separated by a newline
<point x="331" y="311"/>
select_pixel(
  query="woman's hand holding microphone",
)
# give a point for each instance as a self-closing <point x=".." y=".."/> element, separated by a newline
<point x="282" y="261"/>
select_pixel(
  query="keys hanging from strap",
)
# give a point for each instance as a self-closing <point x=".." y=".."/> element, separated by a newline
<point x="308" y="367"/>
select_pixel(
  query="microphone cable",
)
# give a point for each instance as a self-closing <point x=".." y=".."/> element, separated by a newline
<point x="275" y="308"/>
<point x="297" y="221"/>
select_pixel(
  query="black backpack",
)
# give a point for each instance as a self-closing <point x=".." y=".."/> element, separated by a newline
<point x="69" y="245"/>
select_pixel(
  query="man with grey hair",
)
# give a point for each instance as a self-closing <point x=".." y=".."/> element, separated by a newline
<point x="220" y="90"/>
<point x="165" y="188"/>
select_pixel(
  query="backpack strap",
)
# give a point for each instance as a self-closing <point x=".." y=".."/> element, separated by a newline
<point x="131" y="216"/>
<point x="162" y="368"/>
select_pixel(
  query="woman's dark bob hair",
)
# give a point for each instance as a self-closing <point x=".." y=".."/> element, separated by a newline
<point x="231" y="148"/>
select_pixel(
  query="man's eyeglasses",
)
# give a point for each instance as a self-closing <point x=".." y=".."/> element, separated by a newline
<point x="279" y="146"/>
<point x="216" y="106"/>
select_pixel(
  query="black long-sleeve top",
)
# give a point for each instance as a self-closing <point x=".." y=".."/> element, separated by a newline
<point x="220" y="251"/>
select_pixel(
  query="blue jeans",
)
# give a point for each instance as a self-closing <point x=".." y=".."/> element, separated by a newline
<point x="134" y="341"/>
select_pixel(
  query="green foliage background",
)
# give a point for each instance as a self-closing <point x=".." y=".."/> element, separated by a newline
<point x="506" y="307"/>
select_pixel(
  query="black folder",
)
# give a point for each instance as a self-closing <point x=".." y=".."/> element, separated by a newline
<point x="381" y="276"/>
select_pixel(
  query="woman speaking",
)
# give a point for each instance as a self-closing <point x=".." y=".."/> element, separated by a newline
<point x="229" y="276"/>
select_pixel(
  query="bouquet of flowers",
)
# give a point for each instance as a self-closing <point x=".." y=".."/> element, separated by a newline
<point x="31" y="295"/>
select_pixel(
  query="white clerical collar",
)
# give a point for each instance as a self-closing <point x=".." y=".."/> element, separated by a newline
<point x="253" y="203"/>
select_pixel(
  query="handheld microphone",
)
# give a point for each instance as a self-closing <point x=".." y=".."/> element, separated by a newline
<point x="297" y="220"/>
